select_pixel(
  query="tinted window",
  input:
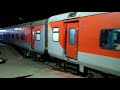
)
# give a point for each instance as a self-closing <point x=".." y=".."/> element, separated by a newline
<point x="23" y="36"/>
<point x="17" y="36"/>
<point x="9" y="35"/>
<point x="72" y="36"/>
<point x="110" y="39"/>
<point x="12" y="35"/>
<point x="4" y="35"/>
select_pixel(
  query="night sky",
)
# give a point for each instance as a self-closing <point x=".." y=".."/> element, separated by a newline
<point x="23" y="16"/>
<point x="17" y="12"/>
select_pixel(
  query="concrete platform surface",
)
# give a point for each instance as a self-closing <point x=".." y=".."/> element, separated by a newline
<point x="18" y="66"/>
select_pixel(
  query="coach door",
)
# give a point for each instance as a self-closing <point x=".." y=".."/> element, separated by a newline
<point x="32" y="38"/>
<point x="71" y="40"/>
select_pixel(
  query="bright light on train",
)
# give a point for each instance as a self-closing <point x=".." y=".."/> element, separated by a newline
<point x="18" y="28"/>
<point x="2" y="30"/>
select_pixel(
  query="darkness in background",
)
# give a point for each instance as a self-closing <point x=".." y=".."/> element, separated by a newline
<point x="17" y="12"/>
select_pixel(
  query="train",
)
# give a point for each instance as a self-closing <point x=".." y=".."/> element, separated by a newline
<point x="87" y="39"/>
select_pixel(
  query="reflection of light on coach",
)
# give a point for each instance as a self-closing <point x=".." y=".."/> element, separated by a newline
<point x="3" y="30"/>
<point x="18" y="28"/>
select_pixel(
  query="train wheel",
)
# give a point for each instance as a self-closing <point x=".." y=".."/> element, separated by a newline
<point x="94" y="74"/>
<point x="90" y="75"/>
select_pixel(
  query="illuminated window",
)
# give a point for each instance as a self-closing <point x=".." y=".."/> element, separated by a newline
<point x="38" y="35"/>
<point x="56" y="34"/>
<point x="110" y="39"/>
<point x="22" y="36"/>
<point x="72" y="36"/>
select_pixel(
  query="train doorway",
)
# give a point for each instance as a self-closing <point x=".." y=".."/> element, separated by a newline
<point x="71" y="39"/>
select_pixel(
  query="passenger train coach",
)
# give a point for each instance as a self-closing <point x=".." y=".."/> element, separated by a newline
<point x="88" y="39"/>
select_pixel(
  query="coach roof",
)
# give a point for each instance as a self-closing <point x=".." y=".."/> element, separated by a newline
<point x="75" y="15"/>
<point x="39" y="22"/>
<point x="27" y="24"/>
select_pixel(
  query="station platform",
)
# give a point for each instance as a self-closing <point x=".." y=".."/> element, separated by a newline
<point x="18" y="66"/>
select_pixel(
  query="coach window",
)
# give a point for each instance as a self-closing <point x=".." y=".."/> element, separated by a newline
<point x="9" y="35"/>
<point x="38" y="35"/>
<point x="12" y="35"/>
<point x="55" y="34"/>
<point x="22" y="36"/>
<point x="110" y="39"/>
<point x="17" y="36"/>
<point x="0" y="35"/>
<point x="4" y="35"/>
<point x="72" y="36"/>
